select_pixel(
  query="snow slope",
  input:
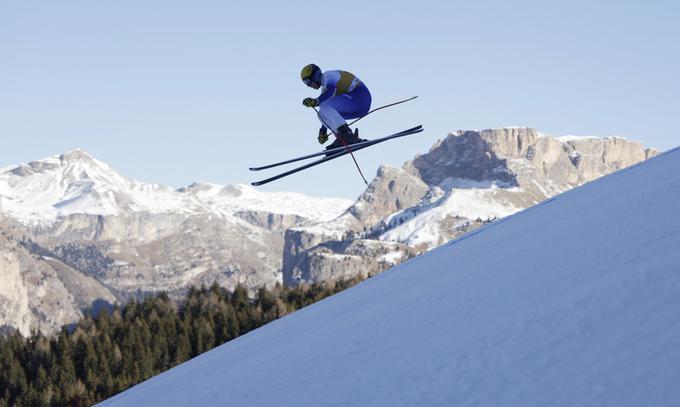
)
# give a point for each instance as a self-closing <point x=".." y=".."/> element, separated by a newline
<point x="573" y="302"/>
<point x="467" y="203"/>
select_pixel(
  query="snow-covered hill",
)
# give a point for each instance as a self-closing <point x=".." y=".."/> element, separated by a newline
<point x="573" y="302"/>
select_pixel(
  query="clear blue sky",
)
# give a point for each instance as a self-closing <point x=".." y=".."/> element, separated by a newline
<point x="174" y="91"/>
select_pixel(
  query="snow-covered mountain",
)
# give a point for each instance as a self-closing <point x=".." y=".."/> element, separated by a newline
<point x="467" y="179"/>
<point x="76" y="183"/>
<point x="573" y="302"/>
<point x="98" y="236"/>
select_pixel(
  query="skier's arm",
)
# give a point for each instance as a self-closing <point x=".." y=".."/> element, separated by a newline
<point x="327" y="93"/>
<point x="323" y="135"/>
<point x="329" y="86"/>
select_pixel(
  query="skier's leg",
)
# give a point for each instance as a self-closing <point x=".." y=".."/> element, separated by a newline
<point x="350" y="105"/>
<point x="335" y="110"/>
<point x="331" y="118"/>
<point x="329" y="115"/>
<point x="358" y="105"/>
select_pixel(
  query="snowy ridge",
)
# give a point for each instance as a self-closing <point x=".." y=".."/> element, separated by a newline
<point x="573" y="302"/>
<point x="234" y="198"/>
<point x="76" y="183"/>
<point x="571" y="137"/>
<point x="454" y="198"/>
<point x="471" y="203"/>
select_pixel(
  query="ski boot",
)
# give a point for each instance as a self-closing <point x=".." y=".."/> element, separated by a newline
<point x="344" y="133"/>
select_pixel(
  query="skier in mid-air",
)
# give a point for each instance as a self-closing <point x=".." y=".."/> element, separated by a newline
<point x="343" y="96"/>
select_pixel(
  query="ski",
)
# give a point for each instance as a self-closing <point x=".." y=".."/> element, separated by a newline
<point x="335" y="150"/>
<point x="345" y="151"/>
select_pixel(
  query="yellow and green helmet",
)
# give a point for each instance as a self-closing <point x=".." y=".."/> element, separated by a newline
<point x="310" y="72"/>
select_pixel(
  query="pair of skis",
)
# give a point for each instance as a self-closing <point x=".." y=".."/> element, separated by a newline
<point x="331" y="154"/>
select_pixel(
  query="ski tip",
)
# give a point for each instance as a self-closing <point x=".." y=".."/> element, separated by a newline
<point x="255" y="184"/>
<point x="253" y="168"/>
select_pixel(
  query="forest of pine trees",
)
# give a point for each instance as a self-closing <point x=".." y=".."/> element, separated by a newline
<point x="108" y="353"/>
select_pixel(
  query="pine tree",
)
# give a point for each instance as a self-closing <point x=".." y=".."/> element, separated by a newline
<point x="107" y="353"/>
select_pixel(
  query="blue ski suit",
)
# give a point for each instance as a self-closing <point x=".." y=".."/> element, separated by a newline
<point x="343" y="96"/>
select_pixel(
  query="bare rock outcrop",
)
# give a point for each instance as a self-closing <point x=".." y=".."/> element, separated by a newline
<point x="40" y="293"/>
<point x="392" y="190"/>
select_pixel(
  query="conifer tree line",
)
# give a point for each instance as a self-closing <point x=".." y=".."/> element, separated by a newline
<point x="114" y="350"/>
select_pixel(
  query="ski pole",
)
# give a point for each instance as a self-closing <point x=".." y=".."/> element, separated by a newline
<point x="343" y="143"/>
<point x="383" y="107"/>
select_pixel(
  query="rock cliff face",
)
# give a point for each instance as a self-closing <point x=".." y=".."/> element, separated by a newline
<point x="394" y="191"/>
<point x="39" y="292"/>
<point x="463" y="182"/>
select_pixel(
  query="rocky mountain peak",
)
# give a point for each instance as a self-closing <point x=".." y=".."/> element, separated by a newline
<point x="472" y="155"/>
<point x="509" y="142"/>
<point x="196" y="187"/>
<point x="76" y="165"/>
<point x="522" y="155"/>
<point x="465" y="180"/>
<point x="76" y="155"/>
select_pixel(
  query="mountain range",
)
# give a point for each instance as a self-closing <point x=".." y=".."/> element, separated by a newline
<point x="76" y="235"/>
<point x="97" y="237"/>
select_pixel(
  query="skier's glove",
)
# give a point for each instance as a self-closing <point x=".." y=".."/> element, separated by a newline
<point x="310" y="102"/>
<point x="323" y="135"/>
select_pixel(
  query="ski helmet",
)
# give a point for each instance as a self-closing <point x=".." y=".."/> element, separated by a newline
<point x="310" y="73"/>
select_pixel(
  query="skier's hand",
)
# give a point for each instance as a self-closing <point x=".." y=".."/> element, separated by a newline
<point x="310" y="102"/>
<point x="323" y="135"/>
